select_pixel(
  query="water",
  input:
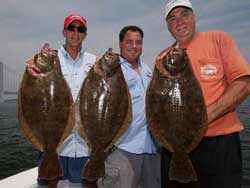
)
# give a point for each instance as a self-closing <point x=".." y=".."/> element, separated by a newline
<point x="244" y="114"/>
<point x="17" y="154"/>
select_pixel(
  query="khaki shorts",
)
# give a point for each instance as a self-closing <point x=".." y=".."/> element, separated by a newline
<point x="127" y="170"/>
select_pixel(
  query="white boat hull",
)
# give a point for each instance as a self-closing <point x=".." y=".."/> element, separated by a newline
<point x="26" y="179"/>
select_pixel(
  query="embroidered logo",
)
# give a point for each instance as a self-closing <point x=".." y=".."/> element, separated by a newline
<point x="208" y="71"/>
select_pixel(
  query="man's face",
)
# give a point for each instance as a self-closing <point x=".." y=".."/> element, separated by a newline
<point x="131" y="46"/>
<point x="181" y="24"/>
<point x="74" y="34"/>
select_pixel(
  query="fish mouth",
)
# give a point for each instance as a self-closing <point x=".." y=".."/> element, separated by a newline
<point x="35" y="72"/>
<point x="47" y="53"/>
<point x="175" y="61"/>
<point x="35" y="67"/>
<point x="110" y="56"/>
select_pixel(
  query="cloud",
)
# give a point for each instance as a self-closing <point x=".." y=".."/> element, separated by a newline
<point x="26" y="25"/>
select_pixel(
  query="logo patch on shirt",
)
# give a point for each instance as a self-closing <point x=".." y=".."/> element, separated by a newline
<point x="208" y="71"/>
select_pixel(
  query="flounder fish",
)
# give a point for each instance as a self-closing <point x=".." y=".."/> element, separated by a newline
<point x="105" y="111"/>
<point x="44" y="109"/>
<point x="176" y="111"/>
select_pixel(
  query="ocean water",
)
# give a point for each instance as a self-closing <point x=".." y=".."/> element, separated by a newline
<point x="17" y="154"/>
<point x="244" y="114"/>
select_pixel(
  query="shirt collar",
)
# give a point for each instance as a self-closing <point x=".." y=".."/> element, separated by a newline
<point x="66" y="54"/>
<point x="124" y="61"/>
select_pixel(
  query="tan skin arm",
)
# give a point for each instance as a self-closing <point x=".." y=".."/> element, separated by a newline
<point x="237" y="91"/>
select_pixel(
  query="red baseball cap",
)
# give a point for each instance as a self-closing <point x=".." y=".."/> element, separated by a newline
<point x="74" y="17"/>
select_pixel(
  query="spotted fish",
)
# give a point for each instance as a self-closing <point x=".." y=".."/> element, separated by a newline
<point x="176" y="111"/>
<point x="44" y="109"/>
<point x="105" y="111"/>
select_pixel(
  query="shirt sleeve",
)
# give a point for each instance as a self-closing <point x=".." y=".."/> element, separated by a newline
<point x="235" y="65"/>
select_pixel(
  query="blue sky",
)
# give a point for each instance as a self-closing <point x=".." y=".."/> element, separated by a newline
<point x="27" y="24"/>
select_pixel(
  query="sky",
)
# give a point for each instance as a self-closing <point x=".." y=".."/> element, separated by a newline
<point x="26" y="25"/>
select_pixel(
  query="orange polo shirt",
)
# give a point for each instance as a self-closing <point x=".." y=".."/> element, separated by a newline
<point x="216" y="62"/>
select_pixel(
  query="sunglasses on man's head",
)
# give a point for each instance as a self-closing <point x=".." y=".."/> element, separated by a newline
<point x="80" y="29"/>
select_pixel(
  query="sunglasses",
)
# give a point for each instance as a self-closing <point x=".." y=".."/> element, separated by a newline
<point x="80" y="29"/>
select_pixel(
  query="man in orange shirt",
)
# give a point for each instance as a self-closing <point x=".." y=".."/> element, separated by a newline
<point x="224" y="77"/>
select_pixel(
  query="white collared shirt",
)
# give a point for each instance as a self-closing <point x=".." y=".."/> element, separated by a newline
<point x="74" y="72"/>
<point x="137" y="138"/>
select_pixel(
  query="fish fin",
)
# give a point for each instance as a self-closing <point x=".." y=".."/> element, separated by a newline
<point x="78" y="123"/>
<point x="70" y="123"/>
<point x="24" y="125"/>
<point x="50" y="167"/>
<point x="181" y="168"/>
<point x="69" y="127"/>
<point x="126" y="123"/>
<point x="94" y="168"/>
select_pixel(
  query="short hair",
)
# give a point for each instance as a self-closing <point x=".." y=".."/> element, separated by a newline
<point x="125" y="29"/>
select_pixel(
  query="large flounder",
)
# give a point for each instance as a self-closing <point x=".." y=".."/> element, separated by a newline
<point x="176" y="111"/>
<point x="44" y="109"/>
<point x="105" y="111"/>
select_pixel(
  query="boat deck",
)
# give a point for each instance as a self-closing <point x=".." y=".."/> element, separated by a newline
<point x="27" y="179"/>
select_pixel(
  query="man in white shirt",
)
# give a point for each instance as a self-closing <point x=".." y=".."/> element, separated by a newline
<point x="133" y="161"/>
<point x="75" y="64"/>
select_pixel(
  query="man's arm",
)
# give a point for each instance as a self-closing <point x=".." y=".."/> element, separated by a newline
<point x="236" y="92"/>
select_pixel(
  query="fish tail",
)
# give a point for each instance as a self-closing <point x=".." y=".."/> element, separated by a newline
<point x="181" y="169"/>
<point x="50" y="167"/>
<point x="93" y="169"/>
